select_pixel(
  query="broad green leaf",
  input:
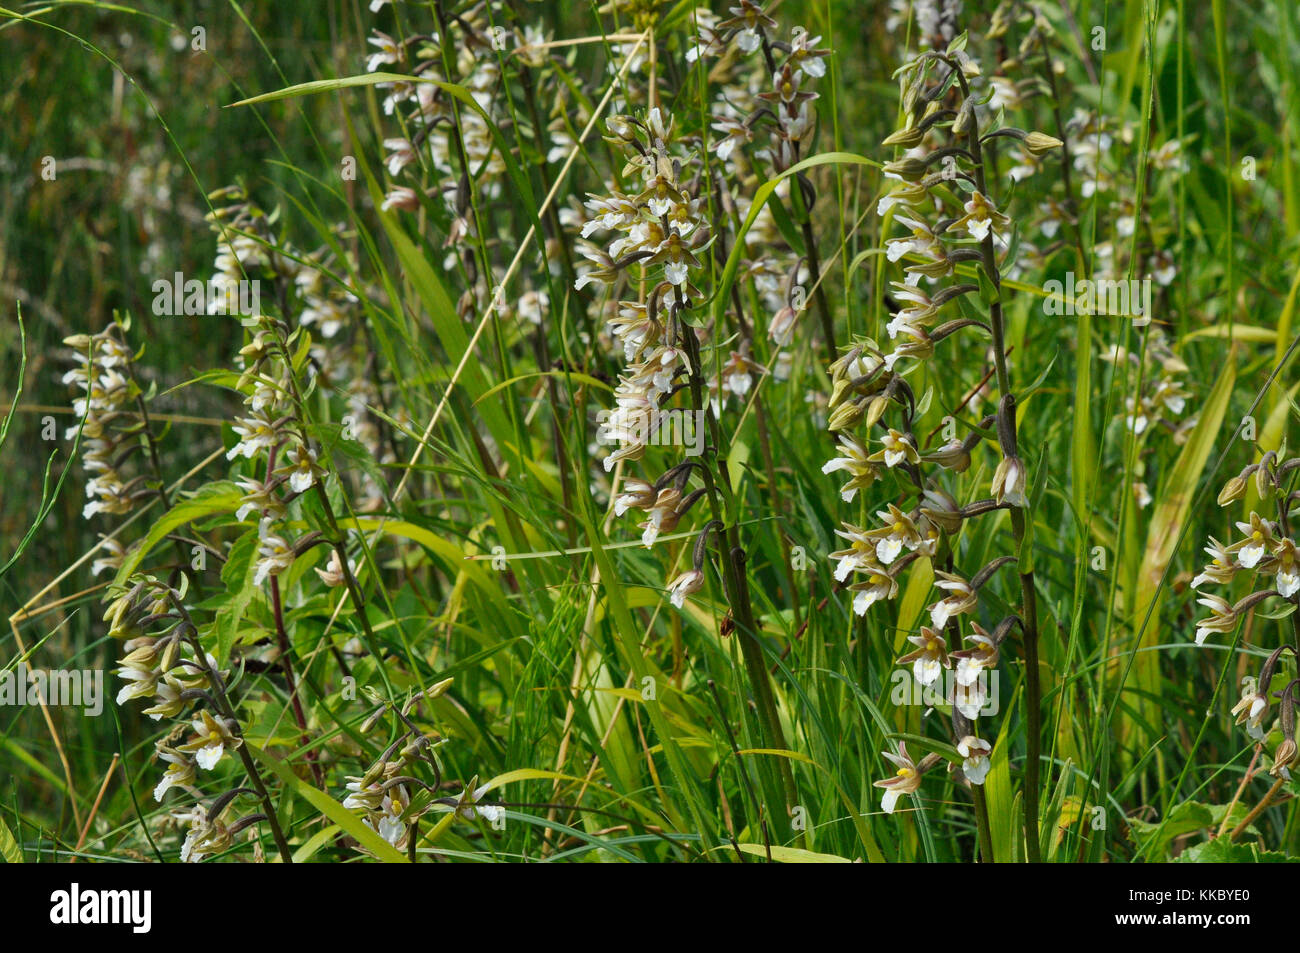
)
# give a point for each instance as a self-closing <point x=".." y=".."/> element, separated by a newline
<point x="9" y="848"/>
<point x="788" y="855"/>
<point x="220" y="497"/>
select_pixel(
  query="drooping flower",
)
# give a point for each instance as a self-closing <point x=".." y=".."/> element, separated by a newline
<point x="961" y="598"/>
<point x="211" y="738"/>
<point x="975" y="758"/>
<point x="1284" y="566"/>
<point x="275" y="555"/>
<point x="896" y="449"/>
<point x="1221" y="568"/>
<point x="1223" y="618"/>
<point x="930" y="657"/>
<point x="684" y="585"/>
<point x="899" y="532"/>
<point x="982" y="655"/>
<point x="879" y="584"/>
<point x="906" y="779"/>
<point x="1009" y="482"/>
<point x="1258" y="543"/>
<point x="859" y="557"/>
<point x="854" y="461"/>
<point x="1251" y="711"/>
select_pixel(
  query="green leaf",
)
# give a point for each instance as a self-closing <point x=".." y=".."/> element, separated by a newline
<point x="788" y="855"/>
<point x="220" y="497"/>
<point x="237" y="574"/>
<point x="1154" y="837"/>
<point x="1223" y="851"/>
<point x="9" y="848"/>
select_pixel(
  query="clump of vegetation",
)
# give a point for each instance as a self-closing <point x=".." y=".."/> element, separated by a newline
<point x="653" y="432"/>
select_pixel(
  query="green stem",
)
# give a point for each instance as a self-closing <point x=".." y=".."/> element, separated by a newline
<point x="982" y="823"/>
<point x="732" y="559"/>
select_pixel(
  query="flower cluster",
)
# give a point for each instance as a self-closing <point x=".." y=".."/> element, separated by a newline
<point x="764" y="115"/>
<point x="1266" y="554"/>
<point x="248" y="247"/>
<point x="660" y="230"/>
<point x="934" y="21"/>
<point x="942" y="169"/>
<point x="163" y="663"/>
<point x="693" y="195"/>
<point x="384" y="797"/>
<point x="451" y="144"/>
<point x="110" y="425"/>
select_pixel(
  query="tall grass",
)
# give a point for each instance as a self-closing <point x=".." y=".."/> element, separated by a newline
<point x="440" y="635"/>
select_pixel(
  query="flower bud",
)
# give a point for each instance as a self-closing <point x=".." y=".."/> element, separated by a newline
<point x="1284" y="757"/>
<point x="969" y="67"/>
<point x="1265" y="484"/>
<point x="438" y="689"/>
<point x="876" y="409"/>
<point x="170" y="651"/>
<point x="839" y="390"/>
<point x="1039" y="143"/>
<point x="686" y="584"/>
<point x="909" y="169"/>
<point x="368" y="725"/>
<point x="941" y="509"/>
<point x="962" y="124"/>
<point x="907" y="138"/>
<point x="1232" y="491"/>
<point x="845" y="416"/>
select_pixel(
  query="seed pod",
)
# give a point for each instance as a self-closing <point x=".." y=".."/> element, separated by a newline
<point x="1007" y="425"/>
<point x="1266" y="673"/>
<point x="1265" y="483"/>
<point x="169" y="654"/>
<point x="369" y="724"/>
